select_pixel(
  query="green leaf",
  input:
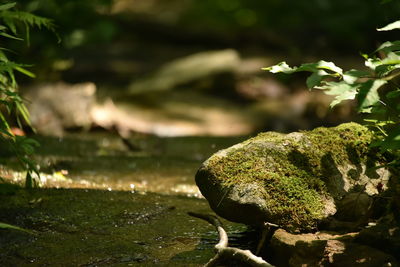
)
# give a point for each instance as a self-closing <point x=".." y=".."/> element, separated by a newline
<point x="342" y="91"/>
<point x="10" y="22"/>
<point x="393" y="94"/>
<point x="5" y="132"/>
<point x="7" y="6"/>
<point x="280" y="67"/>
<point x="316" y="78"/>
<point x="3" y="56"/>
<point x="391" y="26"/>
<point x="379" y="123"/>
<point x="391" y="59"/>
<point x="329" y="66"/>
<point x="23" y="111"/>
<point x="385" y="70"/>
<point x="368" y="95"/>
<point x="32" y="142"/>
<point x="387" y="47"/>
<point x="26" y="72"/>
<point x="320" y="70"/>
<point x="310" y="67"/>
<point x="10" y="36"/>
<point x="385" y="65"/>
<point x="13" y="227"/>
<point x="392" y="141"/>
<point x="352" y="76"/>
<point x="29" y="19"/>
<point x="4" y="123"/>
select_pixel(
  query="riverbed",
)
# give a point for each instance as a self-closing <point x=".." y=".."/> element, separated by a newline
<point x="102" y="203"/>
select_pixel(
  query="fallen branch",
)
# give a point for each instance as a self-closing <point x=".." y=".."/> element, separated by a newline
<point x="223" y="251"/>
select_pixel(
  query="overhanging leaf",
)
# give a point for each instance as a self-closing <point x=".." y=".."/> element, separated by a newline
<point x="385" y="70"/>
<point x="342" y="91"/>
<point x="310" y="67"/>
<point x="24" y="71"/>
<point x="387" y="47"/>
<point x="393" y="94"/>
<point x="280" y="67"/>
<point x="368" y="95"/>
<point x="392" y="141"/>
<point x="3" y="56"/>
<point x="23" y="111"/>
<point x="352" y="76"/>
<point x="10" y="36"/>
<point x="391" y="59"/>
<point x="391" y="26"/>
<point x="316" y="78"/>
<point x="7" y="6"/>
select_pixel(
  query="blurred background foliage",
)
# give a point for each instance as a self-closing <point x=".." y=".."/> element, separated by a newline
<point x="295" y="28"/>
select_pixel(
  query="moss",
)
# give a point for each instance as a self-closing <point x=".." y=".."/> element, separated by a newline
<point x="293" y="168"/>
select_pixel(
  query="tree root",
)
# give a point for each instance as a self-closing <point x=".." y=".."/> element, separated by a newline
<point x="223" y="251"/>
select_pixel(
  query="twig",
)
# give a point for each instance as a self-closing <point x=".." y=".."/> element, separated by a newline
<point x="266" y="230"/>
<point x="223" y="251"/>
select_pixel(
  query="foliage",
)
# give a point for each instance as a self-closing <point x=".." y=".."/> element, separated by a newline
<point x="80" y="24"/>
<point x="11" y="103"/>
<point x="291" y="25"/>
<point x="298" y="24"/>
<point x="376" y="89"/>
<point x="13" y="227"/>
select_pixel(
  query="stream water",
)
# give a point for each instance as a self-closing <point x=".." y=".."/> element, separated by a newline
<point x="102" y="161"/>
<point x="101" y="204"/>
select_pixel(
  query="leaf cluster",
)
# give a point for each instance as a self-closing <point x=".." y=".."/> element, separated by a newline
<point x="376" y="89"/>
<point x="11" y="103"/>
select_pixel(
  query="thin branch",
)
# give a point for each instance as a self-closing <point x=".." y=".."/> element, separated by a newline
<point x="391" y="77"/>
<point x="223" y="251"/>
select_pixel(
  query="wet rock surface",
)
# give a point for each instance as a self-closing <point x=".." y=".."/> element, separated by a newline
<point x="100" y="228"/>
<point x="296" y="180"/>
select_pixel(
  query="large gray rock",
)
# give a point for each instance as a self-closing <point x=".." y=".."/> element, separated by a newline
<point x="295" y="180"/>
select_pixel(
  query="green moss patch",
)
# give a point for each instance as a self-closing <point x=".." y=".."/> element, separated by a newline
<point x="295" y="169"/>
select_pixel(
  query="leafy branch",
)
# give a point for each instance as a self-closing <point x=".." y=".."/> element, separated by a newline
<point x="376" y="91"/>
<point x="11" y="103"/>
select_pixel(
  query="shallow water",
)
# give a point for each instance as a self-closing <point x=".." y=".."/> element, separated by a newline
<point x="80" y="227"/>
<point x="138" y="218"/>
<point x="102" y="161"/>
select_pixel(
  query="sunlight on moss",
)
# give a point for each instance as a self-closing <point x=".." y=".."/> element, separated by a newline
<point x="293" y="168"/>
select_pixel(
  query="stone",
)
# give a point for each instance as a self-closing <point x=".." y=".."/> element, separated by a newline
<point x="324" y="249"/>
<point x="173" y="113"/>
<point x="295" y="180"/>
<point x="384" y="235"/>
<point x="55" y="107"/>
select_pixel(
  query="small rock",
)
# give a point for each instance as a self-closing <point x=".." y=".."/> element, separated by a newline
<point x="54" y="107"/>
<point x="385" y="235"/>
<point x="324" y="249"/>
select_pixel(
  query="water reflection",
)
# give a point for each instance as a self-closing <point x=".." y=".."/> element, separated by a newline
<point x="102" y="161"/>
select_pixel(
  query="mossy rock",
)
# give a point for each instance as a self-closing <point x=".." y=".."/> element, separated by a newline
<point x="294" y="180"/>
